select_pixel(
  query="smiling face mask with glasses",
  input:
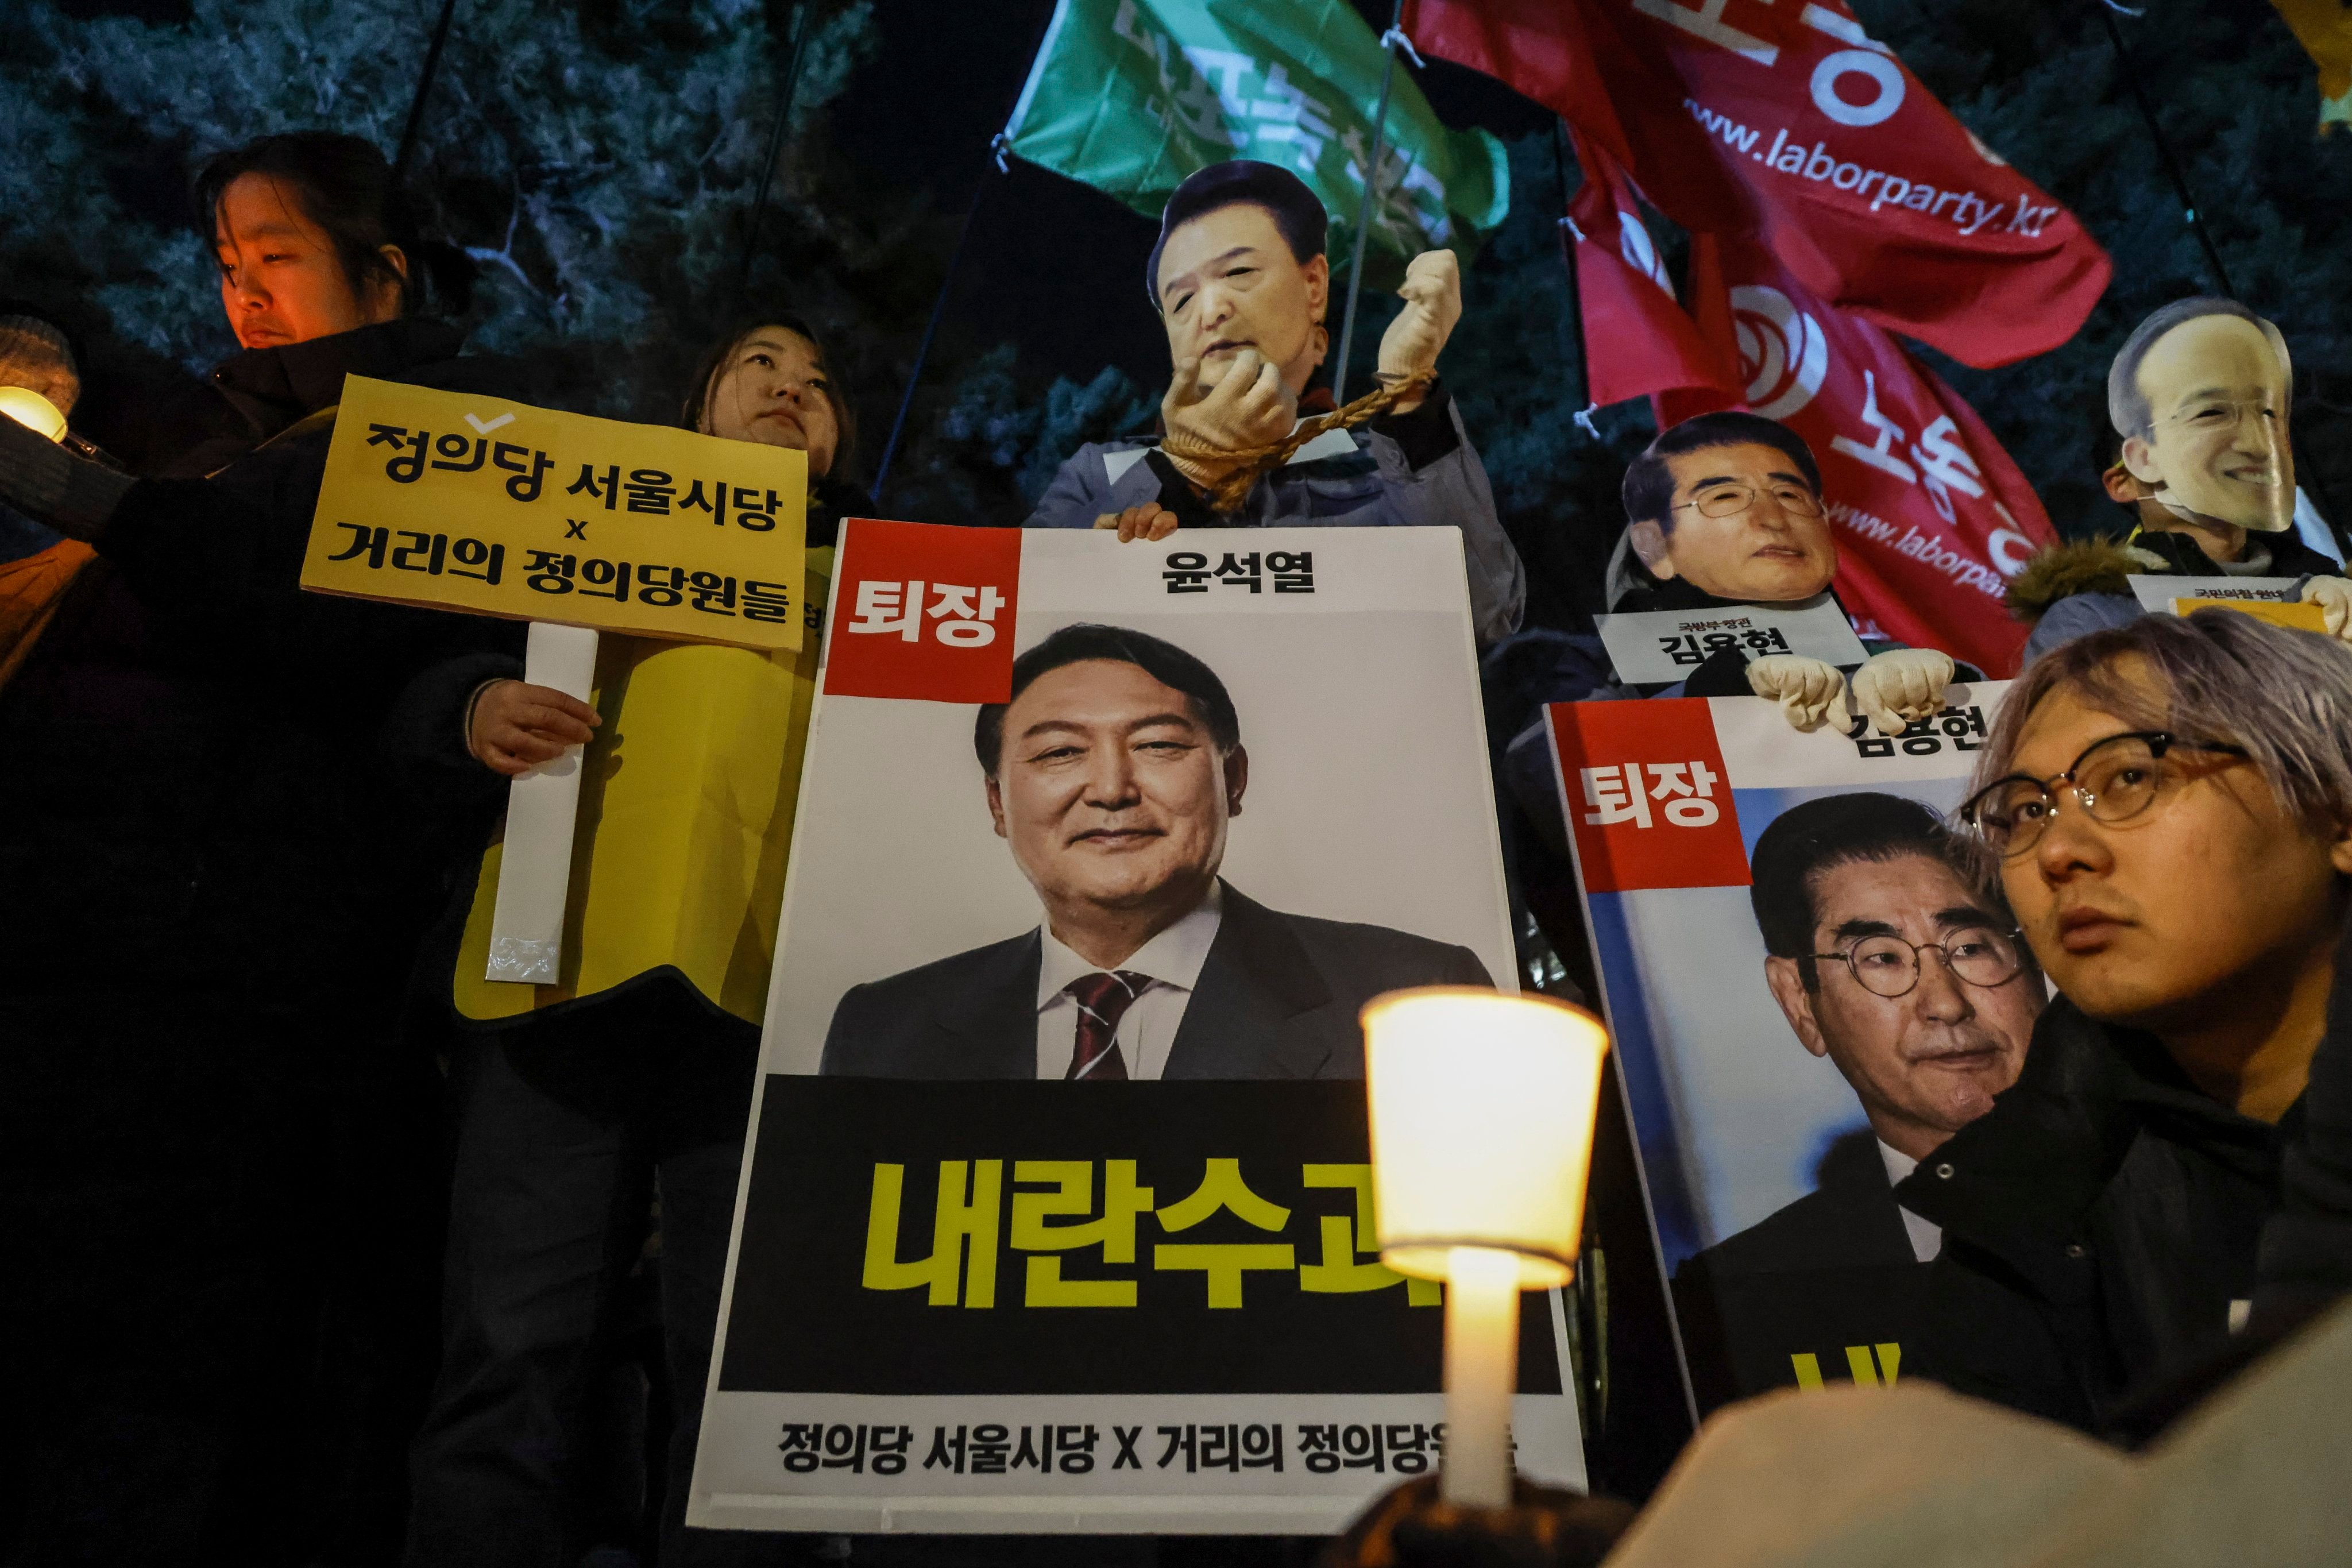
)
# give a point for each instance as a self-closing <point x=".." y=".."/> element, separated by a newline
<point x="1743" y="526"/>
<point x="2216" y="447"/>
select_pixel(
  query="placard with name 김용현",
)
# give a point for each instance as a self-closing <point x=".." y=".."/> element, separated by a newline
<point x="1653" y="646"/>
<point x="496" y="508"/>
<point x="1697" y="826"/>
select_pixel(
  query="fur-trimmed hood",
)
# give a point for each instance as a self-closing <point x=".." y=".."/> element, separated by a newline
<point x="2087" y="566"/>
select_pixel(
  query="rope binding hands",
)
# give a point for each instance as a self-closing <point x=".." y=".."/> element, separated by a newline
<point x="1251" y="464"/>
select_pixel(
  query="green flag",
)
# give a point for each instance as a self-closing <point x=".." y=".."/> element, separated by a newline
<point x="1131" y="96"/>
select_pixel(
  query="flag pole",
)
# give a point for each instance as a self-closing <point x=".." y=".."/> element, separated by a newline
<point x="1389" y="41"/>
<point x="1582" y="386"/>
<point x="424" y="89"/>
<point x="2164" y="150"/>
<point x="775" y="145"/>
<point x="1000" y="151"/>
<point x="930" y="328"/>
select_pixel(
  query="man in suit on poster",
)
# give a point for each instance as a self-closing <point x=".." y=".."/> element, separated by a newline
<point x="1112" y="775"/>
<point x="1885" y="959"/>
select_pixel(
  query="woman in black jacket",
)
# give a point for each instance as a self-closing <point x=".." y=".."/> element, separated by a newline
<point x="218" y="1151"/>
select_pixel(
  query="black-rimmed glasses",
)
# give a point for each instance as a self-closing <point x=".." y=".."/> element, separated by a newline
<point x="1889" y="966"/>
<point x="2113" y="779"/>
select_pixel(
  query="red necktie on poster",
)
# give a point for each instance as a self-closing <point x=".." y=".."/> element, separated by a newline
<point x="1103" y="1000"/>
<point x="1789" y="122"/>
<point x="1932" y="517"/>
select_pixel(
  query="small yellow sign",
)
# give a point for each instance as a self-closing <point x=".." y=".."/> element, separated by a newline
<point x="473" y="503"/>
<point x="2299" y="616"/>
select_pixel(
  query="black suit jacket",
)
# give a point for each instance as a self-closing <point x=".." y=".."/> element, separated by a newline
<point x="1278" y="997"/>
<point x="1828" y="1274"/>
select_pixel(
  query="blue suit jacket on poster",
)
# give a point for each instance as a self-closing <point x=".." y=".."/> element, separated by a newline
<point x="1278" y="997"/>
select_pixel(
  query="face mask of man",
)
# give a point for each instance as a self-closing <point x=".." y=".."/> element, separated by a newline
<point x="2216" y="447"/>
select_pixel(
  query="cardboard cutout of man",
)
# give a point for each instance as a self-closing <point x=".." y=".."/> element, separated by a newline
<point x="1888" y="962"/>
<point x="2199" y="399"/>
<point x="1725" y="510"/>
<point x="2199" y="393"/>
<point x="1242" y="287"/>
<point x="1112" y="775"/>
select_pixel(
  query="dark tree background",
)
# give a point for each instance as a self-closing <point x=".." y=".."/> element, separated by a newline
<point x="598" y="160"/>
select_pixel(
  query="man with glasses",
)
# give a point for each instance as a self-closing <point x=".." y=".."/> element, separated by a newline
<point x="2167" y="806"/>
<point x="1725" y="510"/>
<point x="1888" y="962"/>
<point x="2197" y="446"/>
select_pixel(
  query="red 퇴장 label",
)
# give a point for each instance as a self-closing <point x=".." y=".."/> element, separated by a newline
<point x="1646" y="794"/>
<point x="924" y="611"/>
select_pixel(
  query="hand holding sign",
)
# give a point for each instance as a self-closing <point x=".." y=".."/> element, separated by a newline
<point x="1897" y="688"/>
<point x="1149" y="520"/>
<point x="2334" y="597"/>
<point x="461" y="503"/>
<point x="515" y="726"/>
<point x="1806" y="688"/>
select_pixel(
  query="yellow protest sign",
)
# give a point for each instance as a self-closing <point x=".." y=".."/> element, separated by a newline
<point x="2301" y="617"/>
<point x="474" y="503"/>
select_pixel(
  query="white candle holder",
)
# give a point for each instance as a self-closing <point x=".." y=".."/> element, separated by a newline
<point x="1482" y="1115"/>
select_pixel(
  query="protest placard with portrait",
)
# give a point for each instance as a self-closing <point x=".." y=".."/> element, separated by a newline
<point x="1042" y="1230"/>
<point x="1810" y="989"/>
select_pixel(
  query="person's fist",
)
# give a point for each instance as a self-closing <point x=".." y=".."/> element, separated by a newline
<point x="1896" y="688"/>
<point x="2334" y="597"/>
<point x="1250" y="407"/>
<point x="1148" y="522"/>
<point x="516" y="726"/>
<point x="1806" y="688"/>
<point x="1432" y="304"/>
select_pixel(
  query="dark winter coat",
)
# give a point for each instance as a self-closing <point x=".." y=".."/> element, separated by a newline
<point x="2106" y="1222"/>
<point x="197" y="792"/>
<point x="219" y="1142"/>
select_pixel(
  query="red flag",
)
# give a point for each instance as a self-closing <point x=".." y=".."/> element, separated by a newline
<point x="1637" y="338"/>
<point x="1789" y="122"/>
<point x="1932" y="517"/>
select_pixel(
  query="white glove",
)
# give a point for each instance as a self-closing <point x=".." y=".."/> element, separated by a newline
<point x="1893" y="689"/>
<point x="1432" y="304"/>
<point x="1806" y="688"/>
<point x="2334" y="597"/>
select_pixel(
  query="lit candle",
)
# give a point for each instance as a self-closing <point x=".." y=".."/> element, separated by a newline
<point x="1482" y="1114"/>
<point x="33" y="410"/>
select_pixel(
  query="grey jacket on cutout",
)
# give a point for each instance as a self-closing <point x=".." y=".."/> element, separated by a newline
<point x="1363" y="478"/>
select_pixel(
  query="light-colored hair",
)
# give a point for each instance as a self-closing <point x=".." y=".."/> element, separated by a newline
<point x="2127" y="408"/>
<point x="2283" y="697"/>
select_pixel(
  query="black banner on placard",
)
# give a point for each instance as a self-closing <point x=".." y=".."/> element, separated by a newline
<point x="1170" y="1237"/>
